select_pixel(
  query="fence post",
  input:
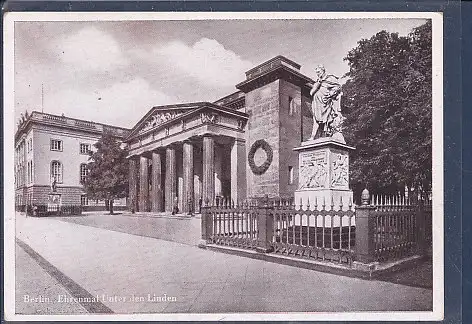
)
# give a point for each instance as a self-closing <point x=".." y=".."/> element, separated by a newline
<point x="365" y="227"/>
<point x="206" y="225"/>
<point x="265" y="227"/>
<point x="420" y="229"/>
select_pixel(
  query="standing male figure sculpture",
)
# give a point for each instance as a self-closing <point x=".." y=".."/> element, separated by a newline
<point x="325" y="90"/>
<point x="54" y="185"/>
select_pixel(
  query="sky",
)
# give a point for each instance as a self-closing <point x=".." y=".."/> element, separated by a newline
<point x="114" y="72"/>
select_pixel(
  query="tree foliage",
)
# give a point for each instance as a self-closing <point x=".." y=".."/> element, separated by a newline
<point x="107" y="171"/>
<point x="388" y="108"/>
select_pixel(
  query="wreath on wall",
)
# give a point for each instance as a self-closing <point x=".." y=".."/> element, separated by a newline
<point x="264" y="166"/>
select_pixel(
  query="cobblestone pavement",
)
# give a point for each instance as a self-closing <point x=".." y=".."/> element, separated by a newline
<point x="138" y="274"/>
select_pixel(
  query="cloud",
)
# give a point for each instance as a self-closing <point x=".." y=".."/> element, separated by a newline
<point x="207" y="60"/>
<point x="90" y="49"/>
<point x="122" y="104"/>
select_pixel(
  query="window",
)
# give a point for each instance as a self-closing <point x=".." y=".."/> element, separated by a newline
<point x="291" y="106"/>
<point x="29" y="171"/>
<point x="84" y="148"/>
<point x="56" y="145"/>
<point x="56" y="171"/>
<point x="290" y="175"/>
<point x="84" y="200"/>
<point x="83" y="172"/>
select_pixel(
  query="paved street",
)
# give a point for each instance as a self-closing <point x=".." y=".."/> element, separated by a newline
<point x="135" y="273"/>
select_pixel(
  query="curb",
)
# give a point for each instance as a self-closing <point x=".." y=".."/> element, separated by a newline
<point x="368" y="272"/>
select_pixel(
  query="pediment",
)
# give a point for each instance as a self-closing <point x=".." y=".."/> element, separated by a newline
<point x="158" y="116"/>
<point x="168" y="117"/>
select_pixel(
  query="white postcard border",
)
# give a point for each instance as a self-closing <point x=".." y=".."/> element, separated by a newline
<point x="438" y="164"/>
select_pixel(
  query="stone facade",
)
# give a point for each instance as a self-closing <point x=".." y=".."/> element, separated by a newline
<point x="35" y="153"/>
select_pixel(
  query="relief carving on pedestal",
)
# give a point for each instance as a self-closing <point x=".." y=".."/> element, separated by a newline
<point x="340" y="171"/>
<point x="313" y="170"/>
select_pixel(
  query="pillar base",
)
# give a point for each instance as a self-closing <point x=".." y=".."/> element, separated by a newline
<point x="202" y="244"/>
<point x="365" y="267"/>
<point x="264" y="249"/>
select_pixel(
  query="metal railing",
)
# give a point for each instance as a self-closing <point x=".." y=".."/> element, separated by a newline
<point x="279" y="226"/>
<point x="50" y="210"/>
<point x="343" y="234"/>
<point x="233" y="225"/>
<point x="401" y="228"/>
<point x="314" y="232"/>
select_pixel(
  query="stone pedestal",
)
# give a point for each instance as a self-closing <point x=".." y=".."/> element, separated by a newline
<point x="54" y="201"/>
<point x="323" y="174"/>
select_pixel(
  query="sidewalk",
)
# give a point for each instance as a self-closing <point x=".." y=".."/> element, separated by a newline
<point x="113" y="264"/>
<point x="33" y="281"/>
<point x="182" y="230"/>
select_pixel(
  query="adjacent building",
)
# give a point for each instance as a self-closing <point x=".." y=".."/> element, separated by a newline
<point x="49" y="147"/>
<point x="238" y="147"/>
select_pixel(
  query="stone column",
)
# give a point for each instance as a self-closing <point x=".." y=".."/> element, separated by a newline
<point x="218" y="170"/>
<point x="197" y="177"/>
<point x="133" y="184"/>
<point x="143" y="184"/>
<point x="238" y="171"/>
<point x="187" y="199"/>
<point x="156" y="199"/>
<point x="208" y="170"/>
<point x="171" y="178"/>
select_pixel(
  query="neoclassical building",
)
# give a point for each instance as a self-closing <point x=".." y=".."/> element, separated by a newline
<point x="239" y="147"/>
<point x="49" y="147"/>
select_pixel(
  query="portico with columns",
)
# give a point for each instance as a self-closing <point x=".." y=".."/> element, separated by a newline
<point x="189" y="154"/>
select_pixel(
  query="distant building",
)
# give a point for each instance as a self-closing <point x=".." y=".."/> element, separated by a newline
<point x="50" y="147"/>
<point x="239" y="147"/>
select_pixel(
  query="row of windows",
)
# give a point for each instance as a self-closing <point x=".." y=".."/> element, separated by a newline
<point x="57" y="174"/>
<point x="57" y="145"/>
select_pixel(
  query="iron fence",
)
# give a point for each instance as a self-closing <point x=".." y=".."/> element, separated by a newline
<point x="279" y="226"/>
<point x="401" y="228"/>
<point x="387" y="230"/>
<point x="52" y="210"/>
<point x="313" y="232"/>
<point x="233" y="225"/>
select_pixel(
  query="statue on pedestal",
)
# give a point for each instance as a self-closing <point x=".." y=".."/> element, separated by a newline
<point x="54" y="185"/>
<point x="325" y="91"/>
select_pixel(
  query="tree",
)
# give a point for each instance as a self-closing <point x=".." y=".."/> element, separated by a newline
<point x="388" y="108"/>
<point x="107" y="176"/>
